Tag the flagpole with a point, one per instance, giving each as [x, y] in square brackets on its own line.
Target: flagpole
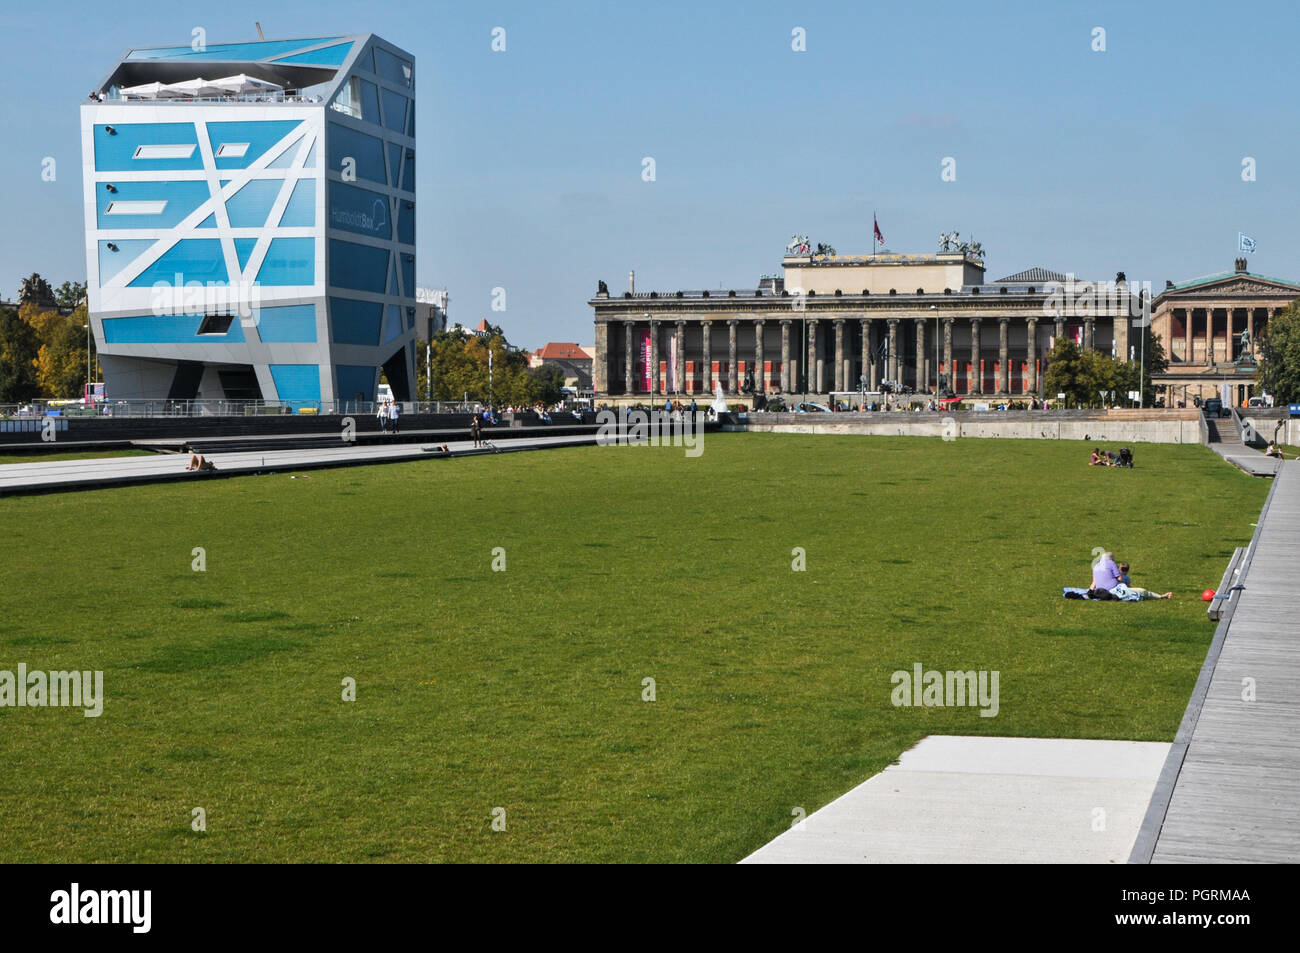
[873, 233]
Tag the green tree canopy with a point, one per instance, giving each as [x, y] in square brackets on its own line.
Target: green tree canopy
[1279, 356]
[18, 350]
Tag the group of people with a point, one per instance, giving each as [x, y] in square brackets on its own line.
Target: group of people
[1108, 458]
[388, 413]
[1110, 582]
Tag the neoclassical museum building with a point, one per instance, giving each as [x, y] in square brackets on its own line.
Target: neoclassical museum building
[1210, 327]
[832, 323]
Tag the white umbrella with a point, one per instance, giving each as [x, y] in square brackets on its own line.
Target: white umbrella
[192, 87]
[244, 83]
[144, 91]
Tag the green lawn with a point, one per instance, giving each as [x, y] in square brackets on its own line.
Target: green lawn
[523, 689]
[72, 455]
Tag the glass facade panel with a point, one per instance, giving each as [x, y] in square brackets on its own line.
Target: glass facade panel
[359, 267]
[191, 259]
[182, 198]
[395, 111]
[250, 207]
[366, 151]
[260, 137]
[296, 382]
[287, 324]
[301, 210]
[391, 68]
[289, 261]
[116, 151]
[355, 322]
[358, 210]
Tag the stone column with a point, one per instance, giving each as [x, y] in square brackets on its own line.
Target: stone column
[600, 364]
[821, 371]
[1089, 324]
[1031, 370]
[1250, 328]
[922, 378]
[679, 372]
[1209, 335]
[838, 376]
[809, 371]
[654, 356]
[1227, 337]
[1004, 378]
[1060, 327]
[893, 351]
[947, 353]
[976, 385]
[865, 326]
[1187, 335]
[733, 385]
[629, 342]
[760, 378]
[785, 356]
[707, 345]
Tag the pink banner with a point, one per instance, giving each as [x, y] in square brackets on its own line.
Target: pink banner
[645, 360]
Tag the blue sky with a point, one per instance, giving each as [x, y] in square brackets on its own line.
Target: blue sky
[530, 160]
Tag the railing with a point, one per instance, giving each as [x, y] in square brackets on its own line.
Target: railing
[189, 100]
[223, 408]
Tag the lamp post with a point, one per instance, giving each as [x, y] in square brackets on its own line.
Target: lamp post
[935, 309]
[89, 381]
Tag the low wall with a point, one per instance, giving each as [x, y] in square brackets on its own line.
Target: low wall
[1120, 426]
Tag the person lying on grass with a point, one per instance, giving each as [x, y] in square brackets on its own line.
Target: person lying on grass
[199, 462]
[1110, 582]
[1128, 587]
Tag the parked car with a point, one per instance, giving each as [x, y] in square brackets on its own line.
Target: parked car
[1213, 407]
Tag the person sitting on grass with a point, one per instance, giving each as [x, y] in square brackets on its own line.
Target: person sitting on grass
[1125, 591]
[1273, 451]
[1097, 459]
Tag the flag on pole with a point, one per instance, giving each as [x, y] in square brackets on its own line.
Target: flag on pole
[875, 226]
[1245, 243]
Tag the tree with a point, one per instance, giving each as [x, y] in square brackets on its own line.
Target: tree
[61, 361]
[36, 290]
[1279, 356]
[18, 350]
[1064, 370]
[548, 380]
[460, 369]
[69, 294]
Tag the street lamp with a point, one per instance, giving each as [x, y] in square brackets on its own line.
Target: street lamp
[935, 309]
[86, 392]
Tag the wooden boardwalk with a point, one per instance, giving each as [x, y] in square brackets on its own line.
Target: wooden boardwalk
[1230, 790]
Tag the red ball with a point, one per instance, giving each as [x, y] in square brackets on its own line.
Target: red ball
[1207, 595]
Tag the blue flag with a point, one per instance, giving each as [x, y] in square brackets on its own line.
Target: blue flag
[1245, 243]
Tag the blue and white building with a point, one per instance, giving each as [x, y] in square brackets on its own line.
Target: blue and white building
[250, 221]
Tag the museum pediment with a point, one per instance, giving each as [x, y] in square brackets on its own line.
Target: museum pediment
[1245, 286]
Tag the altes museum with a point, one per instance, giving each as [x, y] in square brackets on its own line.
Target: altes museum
[925, 323]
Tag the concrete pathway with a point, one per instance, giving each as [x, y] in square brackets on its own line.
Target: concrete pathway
[119, 471]
[985, 800]
[1230, 792]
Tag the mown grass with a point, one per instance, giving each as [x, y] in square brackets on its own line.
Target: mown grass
[71, 455]
[523, 689]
